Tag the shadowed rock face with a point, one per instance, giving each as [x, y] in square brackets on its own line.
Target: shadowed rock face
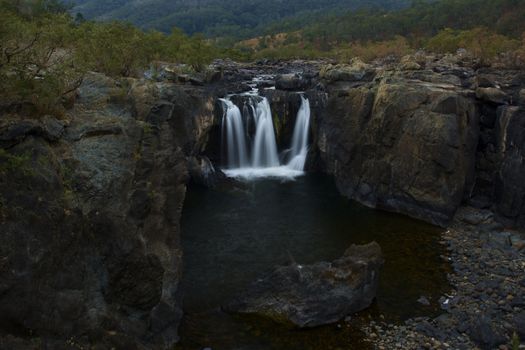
[509, 188]
[317, 294]
[90, 214]
[402, 145]
[422, 141]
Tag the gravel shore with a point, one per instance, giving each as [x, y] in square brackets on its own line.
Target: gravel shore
[486, 307]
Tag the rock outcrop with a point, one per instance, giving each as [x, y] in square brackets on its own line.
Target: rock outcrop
[423, 140]
[90, 209]
[402, 144]
[509, 187]
[316, 294]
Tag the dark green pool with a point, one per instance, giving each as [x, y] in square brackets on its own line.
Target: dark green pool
[234, 234]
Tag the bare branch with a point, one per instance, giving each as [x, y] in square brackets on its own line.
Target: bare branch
[18, 50]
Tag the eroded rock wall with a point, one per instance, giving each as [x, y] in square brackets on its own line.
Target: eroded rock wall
[424, 136]
[90, 211]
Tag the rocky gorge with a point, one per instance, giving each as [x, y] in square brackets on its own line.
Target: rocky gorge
[91, 201]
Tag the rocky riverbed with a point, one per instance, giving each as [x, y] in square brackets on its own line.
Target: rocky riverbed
[486, 307]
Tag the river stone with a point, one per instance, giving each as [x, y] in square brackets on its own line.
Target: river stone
[492, 94]
[317, 294]
[355, 71]
[291, 82]
[484, 334]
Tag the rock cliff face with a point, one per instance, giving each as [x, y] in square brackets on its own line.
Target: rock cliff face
[508, 186]
[423, 138]
[90, 203]
[90, 214]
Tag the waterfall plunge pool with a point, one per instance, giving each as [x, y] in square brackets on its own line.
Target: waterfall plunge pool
[232, 235]
[282, 171]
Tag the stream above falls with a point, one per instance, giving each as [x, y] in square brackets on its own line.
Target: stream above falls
[233, 234]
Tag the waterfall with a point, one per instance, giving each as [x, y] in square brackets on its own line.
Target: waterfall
[263, 161]
[233, 133]
[299, 149]
[264, 146]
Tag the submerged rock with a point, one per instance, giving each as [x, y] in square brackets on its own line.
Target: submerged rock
[316, 294]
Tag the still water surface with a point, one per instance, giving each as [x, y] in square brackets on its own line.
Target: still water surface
[232, 235]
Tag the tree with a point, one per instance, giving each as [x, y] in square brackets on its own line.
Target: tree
[36, 60]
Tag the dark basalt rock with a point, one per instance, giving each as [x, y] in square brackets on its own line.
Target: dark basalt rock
[356, 71]
[509, 185]
[203, 172]
[484, 334]
[401, 145]
[90, 209]
[12, 133]
[317, 294]
[492, 95]
[292, 82]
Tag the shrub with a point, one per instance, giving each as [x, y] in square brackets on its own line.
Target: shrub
[368, 51]
[44, 53]
[480, 42]
[36, 61]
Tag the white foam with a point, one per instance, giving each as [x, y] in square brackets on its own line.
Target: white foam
[281, 172]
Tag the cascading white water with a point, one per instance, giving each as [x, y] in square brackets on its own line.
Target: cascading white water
[233, 133]
[264, 160]
[264, 146]
[299, 149]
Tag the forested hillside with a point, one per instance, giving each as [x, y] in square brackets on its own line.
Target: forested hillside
[237, 18]
[484, 27]
[422, 19]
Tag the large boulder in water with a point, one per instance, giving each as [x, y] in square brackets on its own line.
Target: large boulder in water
[317, 294]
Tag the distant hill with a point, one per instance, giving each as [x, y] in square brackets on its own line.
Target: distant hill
[485, 28]
[216, 18]
[422, 19]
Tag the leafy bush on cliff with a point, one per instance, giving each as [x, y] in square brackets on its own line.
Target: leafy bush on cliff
[368, 51]
[480, 42]
[36, 55]
[44, 52]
